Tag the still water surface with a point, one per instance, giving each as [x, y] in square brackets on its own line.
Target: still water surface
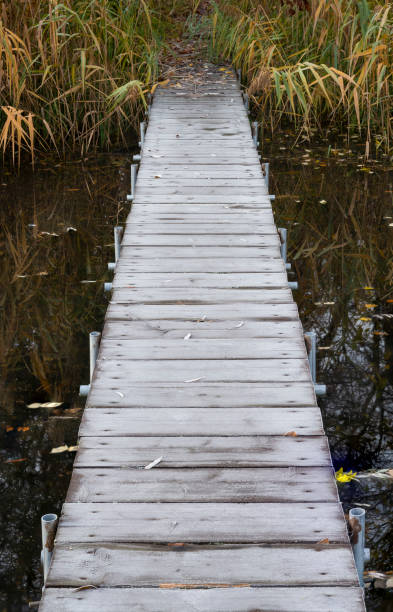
[56, 240]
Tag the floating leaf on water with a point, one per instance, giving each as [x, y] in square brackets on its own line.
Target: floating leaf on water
[16, 460]
[380, 333]
[371, 305]
[59, 449]
[35, 405]
[369, 288]
[71, 229]
[322, 201]
[52, 404]
[9, 428]
[23, 428]
[153, 463]
[342, 476]
[73, 449]
[365, 319]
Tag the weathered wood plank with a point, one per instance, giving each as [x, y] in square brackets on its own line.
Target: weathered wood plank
[193, 371]
[200, 421]
[272, 280]
[228, 312]
[200, 522]
[213, 451]
[193, 295]
[204, 328]
[295, 599]
[196, 348]
[228, 395]
[180, 227]
[138, 565]
[229, 240]
[116, 485]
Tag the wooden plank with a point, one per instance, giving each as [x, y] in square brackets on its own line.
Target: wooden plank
[209, 328]
[153, 252]
[190, 370]
[190, 229]
[213, 395]
[116, 485]
[189, 218]
[195, 264]
[298, 599]
[197, 348]
[236, 240]
[213, 451]
[200, 421]
[138, 565]
[193, 295]
[229, 312]
[262, 200]
[277, 280]
[200, 522]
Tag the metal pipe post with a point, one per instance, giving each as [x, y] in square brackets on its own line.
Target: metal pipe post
[118, 232]
[246, 102]
[254, 128]
[48, 531]
[266, 169]
[239, 74]
[142, 129]
[357, 521]
[94, 343]
[283, 237]
[134, 169]
[311, 344]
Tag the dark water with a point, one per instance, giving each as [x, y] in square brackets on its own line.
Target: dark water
[336, 208]
[46, 314]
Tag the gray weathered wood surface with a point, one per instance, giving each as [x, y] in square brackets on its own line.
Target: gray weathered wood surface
[202, 366]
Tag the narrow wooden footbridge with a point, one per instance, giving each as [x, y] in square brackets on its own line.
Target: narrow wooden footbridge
[202, 372]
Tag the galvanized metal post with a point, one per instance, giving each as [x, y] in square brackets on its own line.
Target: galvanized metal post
[311, 344]
[266, 169]
[283, 237]
[254, 128]
[48, 531]
[134, 169]
[357, 521]
[239, 74]
[94, 343]
[246, 102]
[118, 233]
[142, 129]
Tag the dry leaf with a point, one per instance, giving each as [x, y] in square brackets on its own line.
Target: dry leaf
[15, 460]
[59, 449]
[187, 337]
[84, 587]
[119, 393]
[293, 434]
[153, 463]
[191, 380]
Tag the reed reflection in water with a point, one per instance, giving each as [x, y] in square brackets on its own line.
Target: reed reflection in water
[55, 241]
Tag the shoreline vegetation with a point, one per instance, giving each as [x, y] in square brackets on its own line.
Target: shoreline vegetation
[75, 73]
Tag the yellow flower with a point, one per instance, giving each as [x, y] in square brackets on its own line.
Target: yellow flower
[342, 476]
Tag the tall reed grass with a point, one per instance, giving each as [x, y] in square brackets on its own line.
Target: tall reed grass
[73, 71]
[328, 63]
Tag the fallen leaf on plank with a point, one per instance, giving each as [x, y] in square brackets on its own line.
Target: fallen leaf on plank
[119, 393]
[292, 434]
[84, 587]
[187, 337]
[153, 463]
[191, 380]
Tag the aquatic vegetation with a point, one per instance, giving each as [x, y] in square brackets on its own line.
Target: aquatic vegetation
[73, 73]
[315, 63]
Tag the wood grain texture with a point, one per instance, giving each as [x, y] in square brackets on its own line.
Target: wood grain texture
[200, 421]
[244, 599]
[138, 565]
[204, 451]
[214, 395]
[201, 522]
[247, 485]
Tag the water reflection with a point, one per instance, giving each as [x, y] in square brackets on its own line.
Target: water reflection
[339, 210]
[56, 239]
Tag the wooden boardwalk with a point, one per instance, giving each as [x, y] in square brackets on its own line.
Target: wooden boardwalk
[202, 364]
